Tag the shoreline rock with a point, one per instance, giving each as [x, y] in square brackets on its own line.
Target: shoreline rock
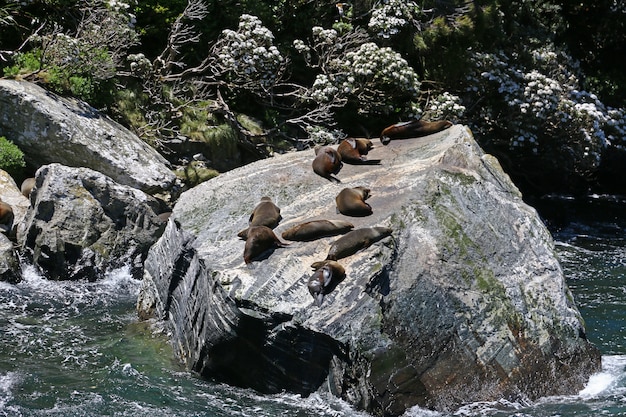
[53, 129]
[465, 302]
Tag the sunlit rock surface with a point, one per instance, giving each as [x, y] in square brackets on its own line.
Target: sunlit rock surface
[52, 129]
[465, 302]
[83, 224]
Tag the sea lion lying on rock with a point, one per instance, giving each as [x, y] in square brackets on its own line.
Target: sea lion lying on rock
[353, 151]
[412, 129]
[355, 240]
[315, 229]
[266, 213]
[6, 217]
[351, 202]
[260, 240]
[327, 163]
[324, 280]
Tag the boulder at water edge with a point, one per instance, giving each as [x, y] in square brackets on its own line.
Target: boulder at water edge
[83, 224]
[49, 129]
[465, 302]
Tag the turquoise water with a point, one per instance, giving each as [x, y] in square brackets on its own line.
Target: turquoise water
[77, 349]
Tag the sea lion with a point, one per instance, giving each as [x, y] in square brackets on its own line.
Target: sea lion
[315, 229]
[266, 213]
[324, 280]
[6, 217]
[27, 186]
[353, 151]
[351, 202]
[260, 239]
[412, 129]
[355, 240]
[327, 163]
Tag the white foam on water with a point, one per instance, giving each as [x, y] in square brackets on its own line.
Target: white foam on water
[613, 369]
[8, 382]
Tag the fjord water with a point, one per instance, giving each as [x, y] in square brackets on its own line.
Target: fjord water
[77, 348]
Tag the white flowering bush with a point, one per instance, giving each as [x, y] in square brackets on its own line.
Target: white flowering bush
[390, 16]
[538, 101]
[323, 136]
[247, 56]
[375, 80]
[445, 106]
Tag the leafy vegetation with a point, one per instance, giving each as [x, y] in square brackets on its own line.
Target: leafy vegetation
[540, 83]
[11, 157]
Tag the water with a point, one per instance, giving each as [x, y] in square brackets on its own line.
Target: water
[77, 349]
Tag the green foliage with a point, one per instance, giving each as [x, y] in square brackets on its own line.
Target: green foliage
[11, 157]
[24, 63]
[196, 173]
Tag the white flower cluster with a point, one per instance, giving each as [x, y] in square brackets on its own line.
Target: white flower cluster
[323, 136]
[446, 106]
[123, 8]
[300, 46]
[390, 16]
[118, 5]
[370, 68]
[546, 94]
[324, 36]
[139, 64]
[248, 54]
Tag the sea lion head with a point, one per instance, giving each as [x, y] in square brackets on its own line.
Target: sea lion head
[259, 240]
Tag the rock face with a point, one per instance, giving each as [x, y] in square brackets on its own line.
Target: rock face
[52, 129]
[11, 195]
[464, 302]
[82, 224]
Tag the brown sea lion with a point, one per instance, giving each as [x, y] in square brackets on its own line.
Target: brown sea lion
[325, 278]
[27, 186]
[6, 217]
[266, 213]
[412, 129]
[351, 202]
[327, 163]
[353, 151]
[355, 240]
[260, 240]
[315, 229]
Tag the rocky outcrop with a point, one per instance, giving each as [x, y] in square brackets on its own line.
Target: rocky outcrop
[9, 260]
[52, 129]
[83, 224]
[465, 302]
[11, 194]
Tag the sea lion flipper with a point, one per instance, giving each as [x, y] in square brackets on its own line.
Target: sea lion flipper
[243, 234]
[319, 299]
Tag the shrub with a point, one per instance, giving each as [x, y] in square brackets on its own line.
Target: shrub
[11, 157]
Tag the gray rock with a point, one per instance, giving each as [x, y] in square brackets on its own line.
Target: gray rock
[465, 302]
[9, 263]
[11, 194]
[83, 224]
[49, 129]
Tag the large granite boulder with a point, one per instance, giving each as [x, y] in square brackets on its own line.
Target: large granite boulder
[465, 302]
[52, 129]
[83, 224]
